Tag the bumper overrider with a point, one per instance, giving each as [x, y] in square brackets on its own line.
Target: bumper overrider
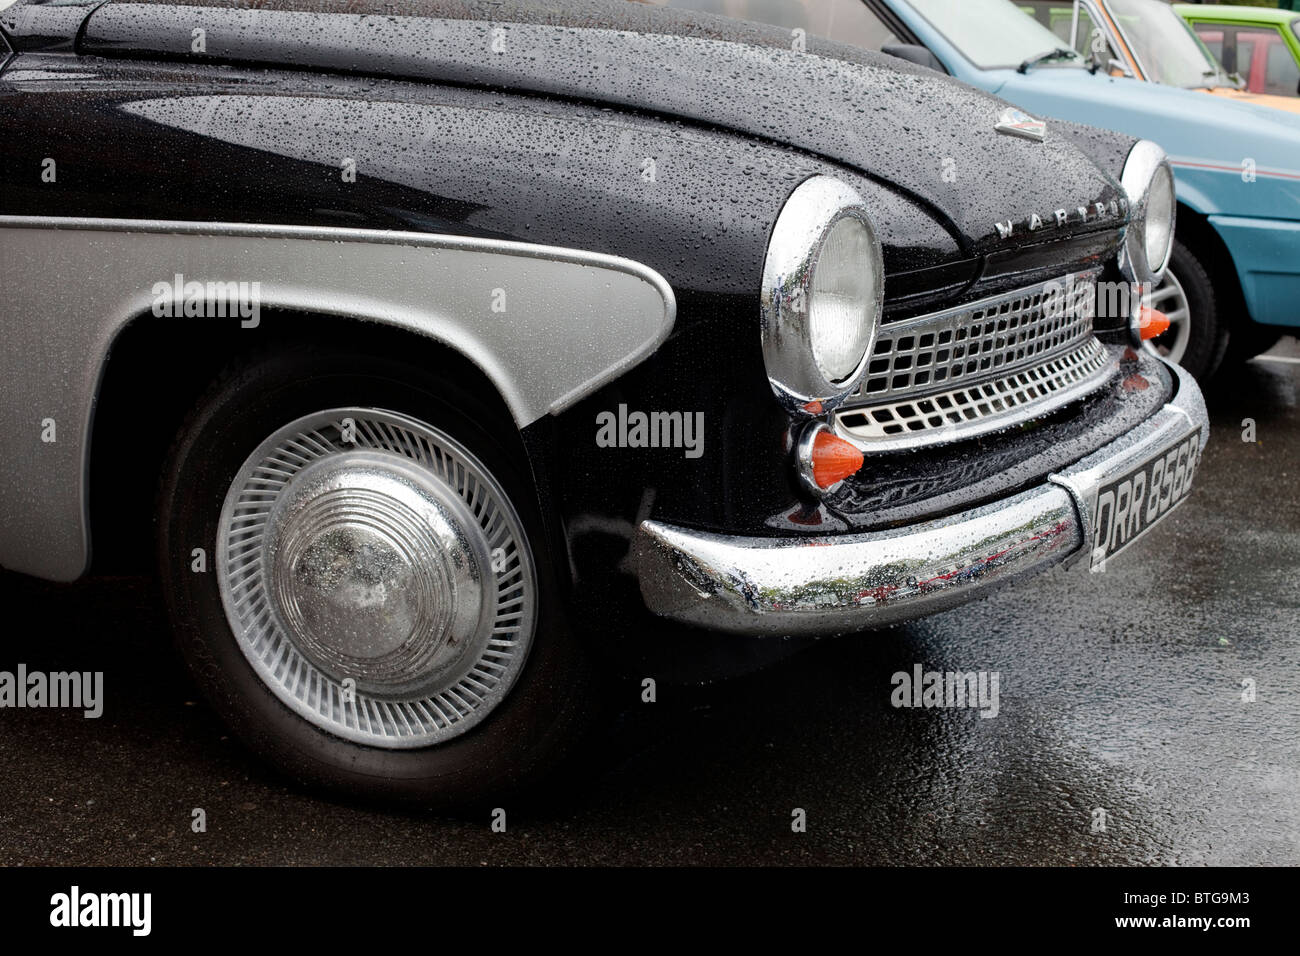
[821, 586]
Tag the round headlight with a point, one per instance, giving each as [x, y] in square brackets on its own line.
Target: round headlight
[1149, 182]
[840, 304]
[1160, 218]
[823, 290]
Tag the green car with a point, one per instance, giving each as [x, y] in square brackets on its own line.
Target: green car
[1261, 45]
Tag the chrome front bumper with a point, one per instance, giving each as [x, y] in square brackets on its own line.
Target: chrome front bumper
[833, 585]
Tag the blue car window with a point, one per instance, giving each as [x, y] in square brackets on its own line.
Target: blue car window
[993, 34]
[1090, 39]
[1059, 18]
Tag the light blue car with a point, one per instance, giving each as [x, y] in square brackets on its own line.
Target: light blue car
[1235, 270]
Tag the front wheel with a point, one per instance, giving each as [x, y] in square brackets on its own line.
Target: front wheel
[377, 616]
[1197, 335]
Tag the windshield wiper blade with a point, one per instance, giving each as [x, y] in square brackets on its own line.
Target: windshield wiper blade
[1060, 53]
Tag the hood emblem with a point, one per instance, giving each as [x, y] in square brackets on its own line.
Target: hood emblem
[1014, 122]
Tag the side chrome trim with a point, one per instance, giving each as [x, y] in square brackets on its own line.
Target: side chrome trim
[833, 585]
[573, 321]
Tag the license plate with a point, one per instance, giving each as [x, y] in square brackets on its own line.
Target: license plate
[1128, 506]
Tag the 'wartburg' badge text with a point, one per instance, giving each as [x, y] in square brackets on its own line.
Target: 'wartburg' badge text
[1115, 209]
[1016, 122]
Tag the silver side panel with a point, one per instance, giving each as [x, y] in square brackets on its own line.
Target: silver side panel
[572, 321]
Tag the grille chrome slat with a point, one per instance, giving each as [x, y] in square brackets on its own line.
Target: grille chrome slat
[993, 335]
[978, 367]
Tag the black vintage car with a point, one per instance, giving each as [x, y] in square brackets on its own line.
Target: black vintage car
[447, 351]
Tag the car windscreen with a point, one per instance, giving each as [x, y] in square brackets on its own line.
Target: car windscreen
[994, 34]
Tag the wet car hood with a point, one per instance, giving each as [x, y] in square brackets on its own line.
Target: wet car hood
[926, 135]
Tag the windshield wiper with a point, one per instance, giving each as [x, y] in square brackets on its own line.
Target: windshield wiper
[1060, 53]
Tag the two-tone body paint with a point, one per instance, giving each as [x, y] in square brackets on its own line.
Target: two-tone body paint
[551, 164]
[288, 218]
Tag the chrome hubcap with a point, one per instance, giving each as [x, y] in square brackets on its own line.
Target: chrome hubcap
[376, 577]
[1169, 298]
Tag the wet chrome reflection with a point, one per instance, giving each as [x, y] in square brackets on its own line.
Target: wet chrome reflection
[839, 584]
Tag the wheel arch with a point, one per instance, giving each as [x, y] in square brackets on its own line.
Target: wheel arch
[158, 369]
[1195, 230]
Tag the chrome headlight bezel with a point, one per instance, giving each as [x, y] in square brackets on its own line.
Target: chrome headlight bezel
[801, 229]
[1146, 170]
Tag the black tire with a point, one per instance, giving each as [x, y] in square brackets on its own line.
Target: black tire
[527, 732]
[1208, 331]
[1248, 340]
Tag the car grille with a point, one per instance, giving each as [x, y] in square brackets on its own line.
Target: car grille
[978, 367]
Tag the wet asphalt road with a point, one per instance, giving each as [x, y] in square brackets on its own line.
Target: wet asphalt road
[1120, 691]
